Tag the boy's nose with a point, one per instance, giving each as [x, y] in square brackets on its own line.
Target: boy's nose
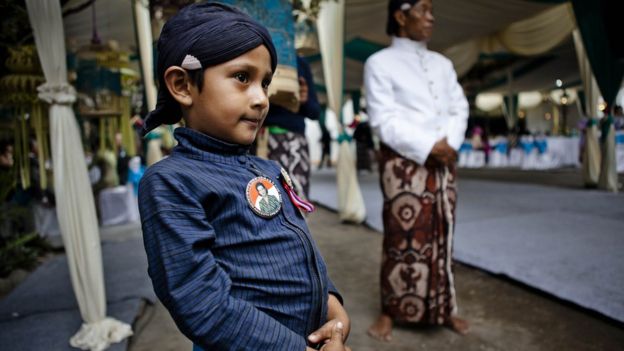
[259, 98]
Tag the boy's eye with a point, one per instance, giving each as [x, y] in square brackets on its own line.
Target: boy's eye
[242, 77]
[266, 83]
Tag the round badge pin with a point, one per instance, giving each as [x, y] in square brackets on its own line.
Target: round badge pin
[263, 197]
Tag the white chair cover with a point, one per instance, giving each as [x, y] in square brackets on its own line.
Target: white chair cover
[619, 151]
[118, 206]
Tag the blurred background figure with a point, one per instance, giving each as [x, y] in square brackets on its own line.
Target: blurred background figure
[287, 143]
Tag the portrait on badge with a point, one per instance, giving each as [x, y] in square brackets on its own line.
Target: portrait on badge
[263, 197]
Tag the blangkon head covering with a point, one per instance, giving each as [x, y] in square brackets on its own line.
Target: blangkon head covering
[199, 36]
[392, 26]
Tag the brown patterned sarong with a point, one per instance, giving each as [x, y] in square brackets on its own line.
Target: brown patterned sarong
[290, 150]
[418, 218]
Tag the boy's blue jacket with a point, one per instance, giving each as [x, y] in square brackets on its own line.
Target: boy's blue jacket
[231, 280]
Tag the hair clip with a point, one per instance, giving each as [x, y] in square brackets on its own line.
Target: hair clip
[191, 62]
[405, 6]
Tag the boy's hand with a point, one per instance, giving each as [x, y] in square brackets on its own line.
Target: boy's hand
[335, 314]
[335, 343]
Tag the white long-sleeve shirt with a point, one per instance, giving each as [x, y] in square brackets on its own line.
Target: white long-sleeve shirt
[413, 99]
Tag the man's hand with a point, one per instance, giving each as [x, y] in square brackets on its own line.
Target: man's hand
[442, 153]
[335, 314]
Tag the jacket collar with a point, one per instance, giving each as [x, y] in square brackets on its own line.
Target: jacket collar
[198, 145]
[406, 44]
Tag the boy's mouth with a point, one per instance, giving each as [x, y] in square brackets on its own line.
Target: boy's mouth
[254, 121]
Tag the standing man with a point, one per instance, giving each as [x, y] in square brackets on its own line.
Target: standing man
[419, 111]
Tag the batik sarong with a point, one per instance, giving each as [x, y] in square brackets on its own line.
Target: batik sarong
[290, 150]
[418, 217]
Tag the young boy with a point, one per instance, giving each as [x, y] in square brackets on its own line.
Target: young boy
[233, 275]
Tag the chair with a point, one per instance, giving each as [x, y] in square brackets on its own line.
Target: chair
[118, 205]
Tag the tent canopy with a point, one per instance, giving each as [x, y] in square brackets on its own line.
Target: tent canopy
[457, 22]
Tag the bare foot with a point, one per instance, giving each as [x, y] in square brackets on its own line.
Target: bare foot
[458, 325]
[381, 329]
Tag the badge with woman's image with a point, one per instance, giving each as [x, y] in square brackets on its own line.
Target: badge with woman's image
[263, 197]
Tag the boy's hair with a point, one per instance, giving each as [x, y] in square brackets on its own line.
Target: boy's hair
[199, 36]
[197, 78]
[392, 26]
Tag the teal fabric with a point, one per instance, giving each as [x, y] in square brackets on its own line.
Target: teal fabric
[607, 69]
[355, 96]
[360, 49]
[276, 16]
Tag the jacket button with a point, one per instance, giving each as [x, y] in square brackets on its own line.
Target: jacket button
[242, 159]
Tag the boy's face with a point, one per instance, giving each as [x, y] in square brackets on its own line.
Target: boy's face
[234, 99]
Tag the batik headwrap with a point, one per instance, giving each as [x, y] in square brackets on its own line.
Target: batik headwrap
[199, 36]
[392, 27]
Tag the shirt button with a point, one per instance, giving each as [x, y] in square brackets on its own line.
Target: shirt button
[430, 83]
[435, 97]
[242, 159]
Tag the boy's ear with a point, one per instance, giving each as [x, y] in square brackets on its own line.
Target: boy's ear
[179, 85]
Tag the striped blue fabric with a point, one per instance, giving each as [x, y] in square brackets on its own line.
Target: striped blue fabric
[230, 279]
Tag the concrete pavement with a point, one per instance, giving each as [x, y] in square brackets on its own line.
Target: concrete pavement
[503, 314]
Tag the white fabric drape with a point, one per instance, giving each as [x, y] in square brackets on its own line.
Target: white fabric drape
[540, 33]
[144, 34]
[330, 28]
[591, 151]
[464, 55]
[608, 179]
[74, 198]
[532, 36]
[350, 200]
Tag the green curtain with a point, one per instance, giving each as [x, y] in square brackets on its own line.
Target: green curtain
[355, 96]
[591, 18]
[607, 70]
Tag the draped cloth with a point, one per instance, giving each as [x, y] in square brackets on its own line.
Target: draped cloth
[608, 178]
[330, 26]
[591, 149]
[144, 35]
[74, 198]
[418, 218]
[540, 33]
[535, 35]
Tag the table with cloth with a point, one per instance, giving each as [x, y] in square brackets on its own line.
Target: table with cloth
[532, 153]
[619, 150]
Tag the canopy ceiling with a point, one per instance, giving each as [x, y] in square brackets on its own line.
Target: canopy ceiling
[114, 22]
[457, 21]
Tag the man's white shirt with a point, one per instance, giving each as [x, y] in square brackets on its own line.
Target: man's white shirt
[413, 99]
